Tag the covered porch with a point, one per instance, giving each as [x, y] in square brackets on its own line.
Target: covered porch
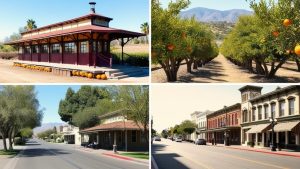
[127, 136]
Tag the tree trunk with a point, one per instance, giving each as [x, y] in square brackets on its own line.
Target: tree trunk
[274, 69]
[195, 66]
[10, 133]
[4, 141]
[259, 69]
[298, 64]
[189, 65]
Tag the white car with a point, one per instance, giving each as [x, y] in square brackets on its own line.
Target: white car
[178, 139]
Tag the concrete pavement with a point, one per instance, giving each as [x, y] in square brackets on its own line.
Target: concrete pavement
[42, 155]
[173, 155]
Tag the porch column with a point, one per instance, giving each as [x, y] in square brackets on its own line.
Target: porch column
[277, 137]
[122, 44]
[125, 140]
[49, 50]
[286, 137]
[256, 138]
[39, 52]
[62, 50]
[30, 52]
[91, 48]
[98, 137]
[297, 139]
[96, 55]
[263, 139]
[77, 48]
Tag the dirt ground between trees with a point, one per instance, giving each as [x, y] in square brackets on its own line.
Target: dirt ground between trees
[220, 70]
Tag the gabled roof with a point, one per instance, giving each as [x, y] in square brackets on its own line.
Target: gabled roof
[82, 29]
[119, 125]
[89, 16]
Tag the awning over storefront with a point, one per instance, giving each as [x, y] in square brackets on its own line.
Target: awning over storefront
[259, 128]
[287, 126]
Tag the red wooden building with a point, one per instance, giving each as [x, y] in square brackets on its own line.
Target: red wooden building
[223, 126]
[81, 41]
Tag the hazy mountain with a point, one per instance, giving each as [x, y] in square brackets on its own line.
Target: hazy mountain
[46, 126]
[212, 15]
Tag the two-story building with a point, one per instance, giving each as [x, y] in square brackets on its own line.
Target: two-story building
[223, 126]
[70, 134]
[259, 110]
[200, 119]
[116, 129]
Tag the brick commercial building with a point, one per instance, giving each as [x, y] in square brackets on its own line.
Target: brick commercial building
[259, 111]
[223, 126]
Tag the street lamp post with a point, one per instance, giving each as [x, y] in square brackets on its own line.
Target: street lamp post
[273, 122]
[226, 134]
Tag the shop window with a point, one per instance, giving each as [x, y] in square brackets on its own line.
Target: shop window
[44, 49]
[55, 48]
[259, 112]
[27, 50]
[281, 108]
[70, 47]
[84, 47]
[292, 106]
[273, 109]
[35, 49]
[20, 50]
[292, 137]
[266, 111]
[133, 136]
[259, 137]
[253, 114]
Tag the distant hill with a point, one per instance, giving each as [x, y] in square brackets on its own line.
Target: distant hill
[46, 126]
[212, 15]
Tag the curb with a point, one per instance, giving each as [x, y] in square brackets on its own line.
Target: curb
[261, 151]
[124, 158]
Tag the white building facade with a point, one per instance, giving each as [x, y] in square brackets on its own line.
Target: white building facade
[258, 111]
[200, 119]
[71, 134]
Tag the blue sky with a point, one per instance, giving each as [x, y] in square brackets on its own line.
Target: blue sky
[49, 97]
[127, 14]
[215, 4]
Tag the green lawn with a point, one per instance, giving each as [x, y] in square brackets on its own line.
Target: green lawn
[140, 155]
[9, 152]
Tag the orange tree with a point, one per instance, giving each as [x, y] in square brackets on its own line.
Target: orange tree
[175, 39]
[269, 37]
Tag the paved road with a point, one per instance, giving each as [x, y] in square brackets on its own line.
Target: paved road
[41, 155]
[221, 70]
[172, 155]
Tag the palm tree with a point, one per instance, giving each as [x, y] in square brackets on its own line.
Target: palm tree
[30, 25]
[145, 29]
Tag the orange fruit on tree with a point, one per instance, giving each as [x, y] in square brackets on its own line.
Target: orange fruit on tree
[170, 47]
[297, 50]
[275, 33]
[287, 22]
[90, 75]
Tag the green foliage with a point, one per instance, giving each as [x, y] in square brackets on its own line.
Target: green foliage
[45, 134]
[19, 108]
[187, 127]
[26, 132]
[19, 141]
[30, 25]
[133, 59]
[175, 39]
[253, 37]
[86, 96]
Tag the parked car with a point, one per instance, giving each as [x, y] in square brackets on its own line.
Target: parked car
[170, 137]
[178, 139]
[200, 142]
[157, 138]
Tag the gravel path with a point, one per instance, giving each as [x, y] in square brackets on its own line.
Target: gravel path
[10, 74]
[220, 70]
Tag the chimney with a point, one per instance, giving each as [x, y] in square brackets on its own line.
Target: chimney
[93, 10]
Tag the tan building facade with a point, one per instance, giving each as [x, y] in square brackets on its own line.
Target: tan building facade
[258, 111]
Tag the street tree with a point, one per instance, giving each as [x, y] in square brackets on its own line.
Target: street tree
[19, 108]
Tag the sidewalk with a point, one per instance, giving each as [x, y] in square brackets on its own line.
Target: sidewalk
[110, 153]
[267, 150]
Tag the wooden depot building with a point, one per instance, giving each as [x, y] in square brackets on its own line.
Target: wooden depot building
[81, 41]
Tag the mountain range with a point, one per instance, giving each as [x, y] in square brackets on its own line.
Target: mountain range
[46, 126]
[213, 15]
